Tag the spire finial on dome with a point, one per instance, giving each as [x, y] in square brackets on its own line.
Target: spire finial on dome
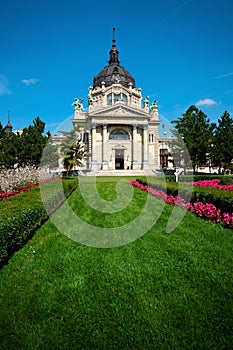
[8, 127]
[114, 72]
[114, 52]
[113, 37]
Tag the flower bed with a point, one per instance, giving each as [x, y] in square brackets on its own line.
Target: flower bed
[212, 183]
[5, 195]
[15, 181]
[206, 210]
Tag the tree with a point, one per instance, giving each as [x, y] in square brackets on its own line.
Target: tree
[2, 134]
[33, 142]
[50, 157]
[72, 149]
[180, 153]
[195, 130]
[222, 148]
[8, 148]
[27, 148]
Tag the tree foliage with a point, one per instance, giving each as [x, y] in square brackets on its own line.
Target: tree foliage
[50, 156]
[222, 147]
[195, 130]
[72, 150]
[33, 143]
[180, 153]
[23, 149]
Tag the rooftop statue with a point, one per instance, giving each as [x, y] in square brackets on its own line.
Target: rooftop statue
[154, 105]
[146, 102]
[78, 103]
[90, 98]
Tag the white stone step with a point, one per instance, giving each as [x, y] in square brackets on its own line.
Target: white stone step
[122, 173]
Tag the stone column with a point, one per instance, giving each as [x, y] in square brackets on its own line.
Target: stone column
[104, 148]
[135, 164]
[93, 148]
[145, 147]
[156, 149]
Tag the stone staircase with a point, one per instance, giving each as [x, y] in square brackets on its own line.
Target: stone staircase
[123, 173]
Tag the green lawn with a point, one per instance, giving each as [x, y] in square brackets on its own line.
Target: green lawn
[162, 291]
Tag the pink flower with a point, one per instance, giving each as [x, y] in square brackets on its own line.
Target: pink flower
[205, 210]
[212, 183]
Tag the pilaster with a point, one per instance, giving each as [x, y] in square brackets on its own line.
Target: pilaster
[145, 147]
[104, 148]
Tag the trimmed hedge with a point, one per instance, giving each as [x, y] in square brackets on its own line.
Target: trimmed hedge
[189, 178]
[169, 187]
[22, 214]
[222, 199]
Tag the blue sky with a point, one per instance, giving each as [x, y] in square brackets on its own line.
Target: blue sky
[179, 51]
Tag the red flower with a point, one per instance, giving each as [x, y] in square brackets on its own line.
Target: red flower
[205, 210]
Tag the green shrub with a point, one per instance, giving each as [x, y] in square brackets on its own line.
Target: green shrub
[22, 214]
[173, 188]
[190, 178]
[222, 199]
[226, 180]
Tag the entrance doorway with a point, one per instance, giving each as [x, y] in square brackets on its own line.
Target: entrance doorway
[119, 159]
[163, 158]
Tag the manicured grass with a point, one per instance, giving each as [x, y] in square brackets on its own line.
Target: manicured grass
[163, 291]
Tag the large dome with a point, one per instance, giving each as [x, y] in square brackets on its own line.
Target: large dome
[114, 72]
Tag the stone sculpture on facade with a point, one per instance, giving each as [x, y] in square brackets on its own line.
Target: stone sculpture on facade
[146, 101]
[90, 98]
[78, 103]
[154, 105]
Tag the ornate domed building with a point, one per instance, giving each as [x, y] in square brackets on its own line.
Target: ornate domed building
[119, 130]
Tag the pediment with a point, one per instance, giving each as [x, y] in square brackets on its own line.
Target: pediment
[119, 111]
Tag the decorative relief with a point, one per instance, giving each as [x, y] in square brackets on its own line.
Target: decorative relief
[117, 111]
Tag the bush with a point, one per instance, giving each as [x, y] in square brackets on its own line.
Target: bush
[222, 199]
[22, 214]
[189, 178]
[226, 180]
[169, 187]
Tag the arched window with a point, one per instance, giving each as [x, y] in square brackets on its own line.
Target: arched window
[125, 98]
[113, 98]
[119, 134]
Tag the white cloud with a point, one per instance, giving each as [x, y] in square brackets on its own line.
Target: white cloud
[224, 75]
[4, 90]
[31, 81]
[206, 102]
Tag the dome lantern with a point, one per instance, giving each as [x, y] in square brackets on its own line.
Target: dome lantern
[114, 72]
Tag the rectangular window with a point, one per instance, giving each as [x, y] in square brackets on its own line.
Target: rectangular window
[85, 137]
[109, 99]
